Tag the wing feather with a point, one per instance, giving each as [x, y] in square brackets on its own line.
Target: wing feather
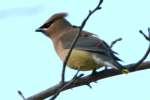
[88, 42]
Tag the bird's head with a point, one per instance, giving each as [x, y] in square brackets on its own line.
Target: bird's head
[54, 25]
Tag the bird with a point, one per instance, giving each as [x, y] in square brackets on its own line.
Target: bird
[89, 53]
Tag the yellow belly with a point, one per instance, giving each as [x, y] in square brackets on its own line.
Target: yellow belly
[82, 60]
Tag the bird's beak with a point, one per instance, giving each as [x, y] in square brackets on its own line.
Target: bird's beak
[39, 30]
[43, 30]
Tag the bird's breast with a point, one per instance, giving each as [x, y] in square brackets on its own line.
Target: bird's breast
[82, 60]
[79, 59]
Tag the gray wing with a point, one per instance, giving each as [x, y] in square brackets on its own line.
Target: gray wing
[88, 42]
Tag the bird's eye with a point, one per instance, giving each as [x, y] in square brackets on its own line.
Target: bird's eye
[45, 25]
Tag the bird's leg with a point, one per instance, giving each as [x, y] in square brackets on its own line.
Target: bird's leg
[106, 68]
[94, 72]
[76, 75]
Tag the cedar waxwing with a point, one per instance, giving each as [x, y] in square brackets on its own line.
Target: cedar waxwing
[89, 53]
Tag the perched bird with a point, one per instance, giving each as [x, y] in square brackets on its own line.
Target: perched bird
[89, 53]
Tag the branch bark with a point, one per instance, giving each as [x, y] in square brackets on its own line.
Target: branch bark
[86, 80]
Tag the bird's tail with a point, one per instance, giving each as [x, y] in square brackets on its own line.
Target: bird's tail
[119, 67]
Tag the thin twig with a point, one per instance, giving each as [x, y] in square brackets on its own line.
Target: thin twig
[66, 85]
[143, 58]
[149, 33]
[147, 52]
[114, 42]
[145, 36]
[76, 38]
[21, 94]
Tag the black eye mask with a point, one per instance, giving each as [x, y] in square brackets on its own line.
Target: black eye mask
[46, 25]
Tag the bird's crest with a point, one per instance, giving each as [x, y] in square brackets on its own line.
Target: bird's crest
[53, 18]
[58, 16]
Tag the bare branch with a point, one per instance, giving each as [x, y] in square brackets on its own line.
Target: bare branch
[147, 52]
[146, 37]
[86, 80]
[114, 42]
[77, 36]
[69, 83]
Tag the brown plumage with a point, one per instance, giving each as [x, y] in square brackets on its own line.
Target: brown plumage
[89, 53]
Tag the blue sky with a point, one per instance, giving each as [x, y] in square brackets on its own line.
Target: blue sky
[30, 64]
